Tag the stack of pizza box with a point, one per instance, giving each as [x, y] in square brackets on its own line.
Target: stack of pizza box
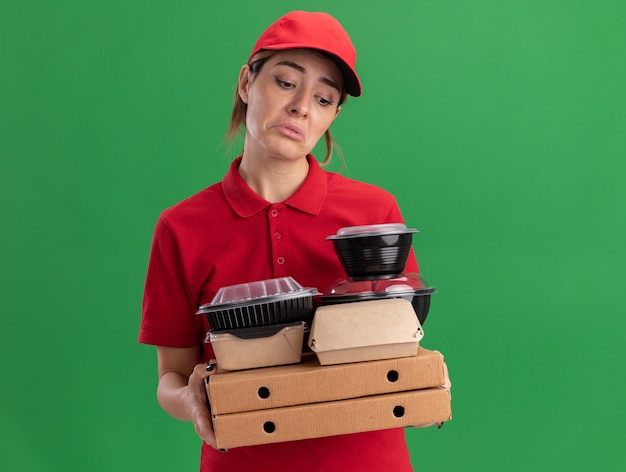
[365, 371]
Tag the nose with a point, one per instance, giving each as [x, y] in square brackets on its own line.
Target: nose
[300, 105]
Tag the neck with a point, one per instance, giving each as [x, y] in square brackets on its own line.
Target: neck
[273, 180]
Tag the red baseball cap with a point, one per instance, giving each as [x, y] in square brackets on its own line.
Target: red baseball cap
[314, 30]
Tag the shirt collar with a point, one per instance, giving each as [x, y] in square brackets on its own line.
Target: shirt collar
[309, 197]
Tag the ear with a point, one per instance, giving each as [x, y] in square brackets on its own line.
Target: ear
[337, 112]
[243, 85]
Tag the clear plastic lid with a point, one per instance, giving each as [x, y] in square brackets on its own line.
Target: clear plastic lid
[258, 291]
[402, 284]
[372, 230]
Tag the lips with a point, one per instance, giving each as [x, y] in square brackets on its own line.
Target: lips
[290, 130]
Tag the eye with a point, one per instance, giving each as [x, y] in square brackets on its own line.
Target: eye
[284, 84]
[324, 102]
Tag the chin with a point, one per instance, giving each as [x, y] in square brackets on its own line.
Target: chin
[287, 153]
[291, 158]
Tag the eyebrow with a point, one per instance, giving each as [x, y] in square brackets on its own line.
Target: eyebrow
[299, 68]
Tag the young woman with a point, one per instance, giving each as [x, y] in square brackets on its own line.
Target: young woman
[268, 218]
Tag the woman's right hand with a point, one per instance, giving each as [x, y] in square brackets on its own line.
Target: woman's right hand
[182, 388]
[194, 398]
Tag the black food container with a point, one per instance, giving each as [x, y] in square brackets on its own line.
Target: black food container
[373, 251]
[410, 286]
[260, 303]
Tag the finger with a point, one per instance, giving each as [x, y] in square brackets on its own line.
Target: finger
[202, 371]
[204, 429]
[422, 425]
[448, 382]
[210, 368]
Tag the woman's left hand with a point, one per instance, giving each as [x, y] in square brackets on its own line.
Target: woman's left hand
[448, 386]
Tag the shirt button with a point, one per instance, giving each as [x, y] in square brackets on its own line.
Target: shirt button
[274, 213]
[278, 235]
[281, 260]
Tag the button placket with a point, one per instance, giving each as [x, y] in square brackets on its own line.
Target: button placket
[275, 215]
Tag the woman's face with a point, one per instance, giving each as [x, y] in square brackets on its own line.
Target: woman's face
[291, 102]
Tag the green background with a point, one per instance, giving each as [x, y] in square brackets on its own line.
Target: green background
[500, 126]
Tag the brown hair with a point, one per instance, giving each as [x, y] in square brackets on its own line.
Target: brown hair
[238, 114]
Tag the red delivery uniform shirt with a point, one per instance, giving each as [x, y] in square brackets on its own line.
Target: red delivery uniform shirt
[226, 235]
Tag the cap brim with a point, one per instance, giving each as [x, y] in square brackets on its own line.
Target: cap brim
[352, 83]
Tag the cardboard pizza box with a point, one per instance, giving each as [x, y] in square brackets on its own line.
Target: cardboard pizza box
[391, 410]
[310, 382]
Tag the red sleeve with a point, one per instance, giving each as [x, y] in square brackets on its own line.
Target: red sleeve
[168, 311]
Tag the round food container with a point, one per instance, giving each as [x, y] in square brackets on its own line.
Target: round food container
[373, 251]
[412, 287]
[260, 303]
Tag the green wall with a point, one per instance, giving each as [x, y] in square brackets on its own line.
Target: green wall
[500, 125]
